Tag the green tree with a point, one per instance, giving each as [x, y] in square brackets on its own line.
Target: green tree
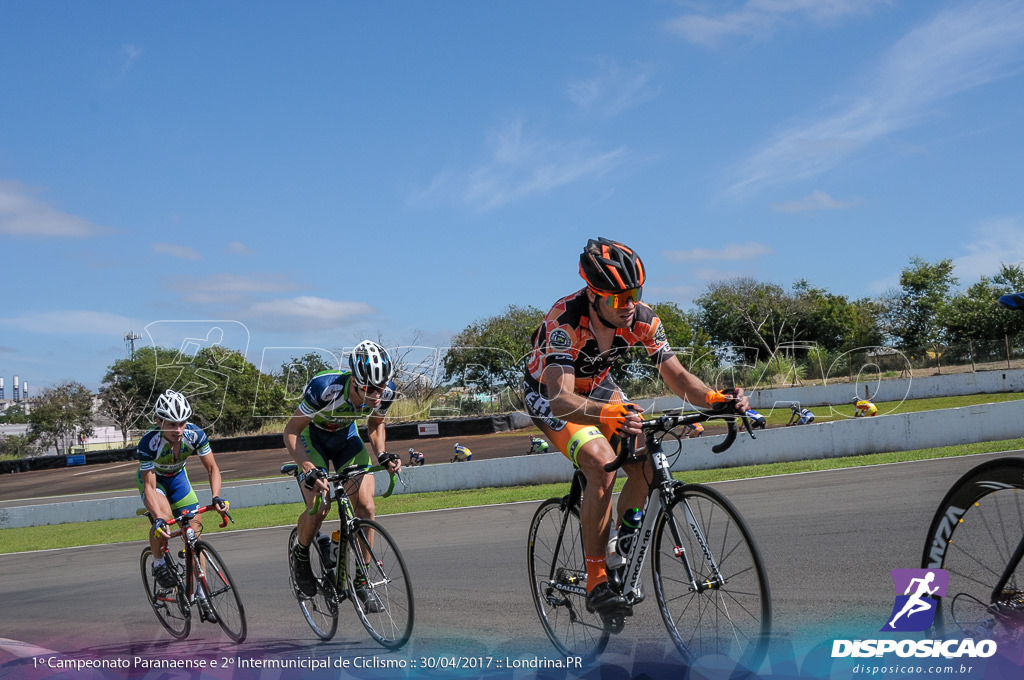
[14, 415]
[911, 315]
[490, 353]
[60, 415]
[122, 407]
[228, 395]
[16, 446]
[744, 312]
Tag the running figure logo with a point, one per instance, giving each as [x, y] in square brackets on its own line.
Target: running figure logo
[914, 609]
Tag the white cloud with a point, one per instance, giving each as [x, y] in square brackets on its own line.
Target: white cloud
[522, 166]
[71, 322]
[132, 53]
[229, 288]
[959, 49]
[21, 214]
[993, 242]
[816, 200]
[731, 251]
[176, 250]
[239, 248]
[613, 90]
[759, 18]
[311, 313]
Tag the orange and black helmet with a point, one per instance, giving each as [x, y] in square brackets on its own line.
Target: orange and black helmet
[611, 267]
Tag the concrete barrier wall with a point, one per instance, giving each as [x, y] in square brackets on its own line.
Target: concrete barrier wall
[901, 432]
[889, 390]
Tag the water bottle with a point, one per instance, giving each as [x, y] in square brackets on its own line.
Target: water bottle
[628, 531]
[335, 543]
[181, 562]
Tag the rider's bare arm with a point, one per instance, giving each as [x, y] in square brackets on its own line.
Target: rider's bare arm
[213, 470]
[375, 428]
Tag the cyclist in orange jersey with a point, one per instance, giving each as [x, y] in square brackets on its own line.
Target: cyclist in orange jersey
[572, 398]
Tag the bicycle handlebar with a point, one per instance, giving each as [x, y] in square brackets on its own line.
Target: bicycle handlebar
[344, 475]
[188, 515]
[669, 421]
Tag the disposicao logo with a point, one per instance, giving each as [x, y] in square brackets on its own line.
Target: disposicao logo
[916, 592]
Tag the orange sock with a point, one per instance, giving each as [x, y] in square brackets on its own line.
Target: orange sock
[597, 572]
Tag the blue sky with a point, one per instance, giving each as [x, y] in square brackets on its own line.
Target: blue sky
[310, 173]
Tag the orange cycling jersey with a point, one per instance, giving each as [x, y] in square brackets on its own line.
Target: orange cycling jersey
[565, 338]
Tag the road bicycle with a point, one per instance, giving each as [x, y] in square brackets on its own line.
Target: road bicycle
[359, 562]
[202, 581]
[977, 536]
[709, 578]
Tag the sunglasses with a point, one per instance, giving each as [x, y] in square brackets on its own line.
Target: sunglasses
[620, 300]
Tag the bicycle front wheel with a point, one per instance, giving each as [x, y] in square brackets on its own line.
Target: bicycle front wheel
[975, 536]
[380, 588]
[221, 592]
[721, 604]
[320, 610]
[558, 581]
[169, 604]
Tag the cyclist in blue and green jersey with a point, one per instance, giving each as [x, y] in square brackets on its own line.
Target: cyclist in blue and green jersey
[323, 431]
[162, 479]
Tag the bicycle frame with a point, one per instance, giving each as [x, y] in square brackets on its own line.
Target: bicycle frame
[348, 521]
[663, 489]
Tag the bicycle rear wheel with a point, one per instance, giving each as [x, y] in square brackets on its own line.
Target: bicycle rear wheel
[558, 580]
[221, 592]
[320, 610]
[729, 613]
[169, 604]
[974, 534]
[380, 590]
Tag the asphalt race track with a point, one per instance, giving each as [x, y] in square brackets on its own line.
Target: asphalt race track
[829, 540]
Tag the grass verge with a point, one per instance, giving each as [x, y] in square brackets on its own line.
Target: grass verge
[136, 529]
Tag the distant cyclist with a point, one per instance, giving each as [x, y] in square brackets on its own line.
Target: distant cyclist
[538, 445]
[162, 480]
[694, 430]
[462, 453]
[416, 458]
[864, 408]
[800, 416]
[322, 431]
[757, 421]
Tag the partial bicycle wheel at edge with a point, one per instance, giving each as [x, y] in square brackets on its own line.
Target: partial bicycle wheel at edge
[320, 610]
[558, 582]
[222, 593]
[728, 616]
[975, 531]
[168, 603]
[380, 589]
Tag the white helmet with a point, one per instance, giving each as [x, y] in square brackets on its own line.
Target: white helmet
[370, 364]
[173, 407]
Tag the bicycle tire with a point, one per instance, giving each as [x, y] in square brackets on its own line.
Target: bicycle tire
[972, 535]
[732, 619]
[556, 548]
[221, 592]
[387, 580]
[170, 605]
[320, 610]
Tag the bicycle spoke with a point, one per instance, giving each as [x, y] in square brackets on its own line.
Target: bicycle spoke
[988, 507]
[169, 604]
[558, 582]
[320, 610]
[730, 613]
[221, 593]
[380, 589]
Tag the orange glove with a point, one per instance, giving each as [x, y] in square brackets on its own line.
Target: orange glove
[616, 414]
[720, 400]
